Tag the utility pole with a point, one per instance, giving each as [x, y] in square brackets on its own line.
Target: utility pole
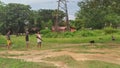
[62, 5]
[57, 17]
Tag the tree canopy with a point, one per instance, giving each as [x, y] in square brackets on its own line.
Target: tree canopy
[19, 17]
[97, 14]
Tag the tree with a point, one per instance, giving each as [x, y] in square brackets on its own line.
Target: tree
[16, 14]
[2, 17]
[45, 17]
[18, 17]
[95, 13]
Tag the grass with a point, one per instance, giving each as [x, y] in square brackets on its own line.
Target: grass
[71, 63]
[77, 40]
[98, 64]
[66, 59]
[14, 63]
[2, 39]
[87, 52]
[85, 48]
[57, 43]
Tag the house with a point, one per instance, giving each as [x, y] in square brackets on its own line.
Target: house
[72, 29]
[63, 29]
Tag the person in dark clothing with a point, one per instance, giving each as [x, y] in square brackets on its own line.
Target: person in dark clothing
[27, 39]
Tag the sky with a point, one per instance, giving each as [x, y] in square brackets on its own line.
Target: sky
[48, 4]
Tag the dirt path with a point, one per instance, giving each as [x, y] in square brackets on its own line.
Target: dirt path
[37, 56]
[33, 56]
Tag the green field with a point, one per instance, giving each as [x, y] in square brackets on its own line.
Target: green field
[19, 42]
[68, 52]
[85, 34]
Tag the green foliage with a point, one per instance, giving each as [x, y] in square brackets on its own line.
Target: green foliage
[2, 40]
[46, 17]
[68, 34]
[112, 20]
[79, 24]
[48, 34]
[96, 13]
[45, 31]
[83, 33]
[110, 30]
[87, 33]
[49, 24]
[14, 16]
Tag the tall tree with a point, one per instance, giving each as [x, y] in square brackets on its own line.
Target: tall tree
[96, 13]
[44, 17]
[16, 15]
[2, 17]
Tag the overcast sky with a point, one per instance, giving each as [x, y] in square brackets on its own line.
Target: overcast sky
[47, 4]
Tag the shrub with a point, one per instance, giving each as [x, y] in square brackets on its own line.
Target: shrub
[68, 34]
[45, 31]
[2, 39]
[87, 33]
[110, 30]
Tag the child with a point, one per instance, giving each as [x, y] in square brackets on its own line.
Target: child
[8, 39]
[39, 39]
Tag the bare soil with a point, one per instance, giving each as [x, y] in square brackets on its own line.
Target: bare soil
[111, 56]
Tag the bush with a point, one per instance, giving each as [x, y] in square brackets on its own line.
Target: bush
[83, 33]
[87, 33]
[45, 31]
[68, 34]
[58, 35]
[110, 30]
[50, 35]
[2, 39]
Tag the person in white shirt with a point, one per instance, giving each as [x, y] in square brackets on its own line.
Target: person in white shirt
[39, 39]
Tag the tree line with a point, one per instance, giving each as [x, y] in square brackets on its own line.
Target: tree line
[20, 17]
[97, 14]
[94, 14]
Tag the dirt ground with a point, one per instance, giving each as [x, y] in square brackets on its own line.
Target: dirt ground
[111, 56]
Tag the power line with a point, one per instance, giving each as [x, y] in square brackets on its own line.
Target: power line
[62, 5]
